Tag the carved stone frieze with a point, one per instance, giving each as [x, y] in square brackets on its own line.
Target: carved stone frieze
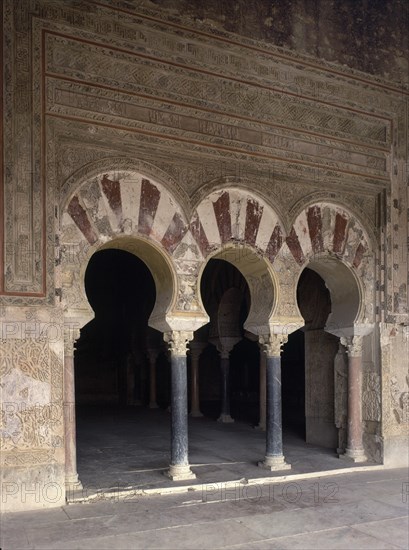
[318, 124]
[96, 105]
[27, 458]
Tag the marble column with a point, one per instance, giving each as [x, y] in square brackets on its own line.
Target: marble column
[263, 391]
[71, 476]
[274, 459]
[152, 356]
[196, 349]
[179, 468]
[341, 397]
[225, 416]
[354, 450]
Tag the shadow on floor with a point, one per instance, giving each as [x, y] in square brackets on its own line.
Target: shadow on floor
[130, 448]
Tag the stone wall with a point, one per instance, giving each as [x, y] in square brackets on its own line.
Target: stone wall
[368, 36]
[394, 344]
[32, 418]
[197, 109]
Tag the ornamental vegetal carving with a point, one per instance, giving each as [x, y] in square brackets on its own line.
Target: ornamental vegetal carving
[187, 299]
[31, 376]
[272, 344]
[371, 396]
[400, 400]
[178, 341]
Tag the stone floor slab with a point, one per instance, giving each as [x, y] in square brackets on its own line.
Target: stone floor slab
[131, 448]
[337, 539]
[211, 535]
[395, 531]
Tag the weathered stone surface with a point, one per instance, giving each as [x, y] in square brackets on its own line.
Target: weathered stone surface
[274, 138]
[349, 33]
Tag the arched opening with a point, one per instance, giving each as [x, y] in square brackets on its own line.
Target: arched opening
[308, 364]
[226, 297]
[112, 348]
[328, 298]
[112, 368]
[344, 291]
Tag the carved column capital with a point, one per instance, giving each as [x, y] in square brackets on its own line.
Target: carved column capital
[224, 353]
[353, 345]
[196, 348]
[178, 341]
[71, 335]
[272, 344]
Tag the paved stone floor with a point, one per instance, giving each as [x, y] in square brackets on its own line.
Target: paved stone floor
[231, 504]
[364, 509]
[130, 448]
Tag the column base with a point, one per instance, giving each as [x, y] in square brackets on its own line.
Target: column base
[195, 414]
[274, 463]
[353, 455]
[225, 419]
[153, 406]
[179, 473]
[72, 483]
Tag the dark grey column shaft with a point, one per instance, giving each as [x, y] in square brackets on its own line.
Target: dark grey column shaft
[179, 428]
[274, 459]
[224, 367]
[274, 432]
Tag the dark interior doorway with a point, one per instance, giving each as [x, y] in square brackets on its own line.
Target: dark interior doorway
[219, 278]
[110, 360]
[308, 367]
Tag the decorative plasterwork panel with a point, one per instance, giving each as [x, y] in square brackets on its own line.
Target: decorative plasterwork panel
[137, 79]
[32, 401]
